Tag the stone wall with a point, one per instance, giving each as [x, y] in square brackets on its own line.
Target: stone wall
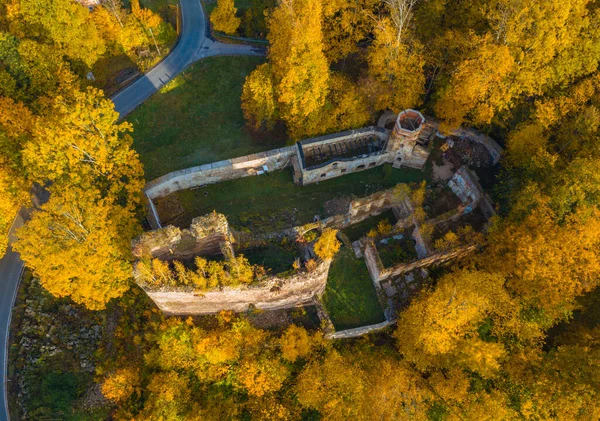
[341, 166]
[359, 331]
[206, 236]
[271, 294]
[379, 273]
[494, 149]
[216, 172]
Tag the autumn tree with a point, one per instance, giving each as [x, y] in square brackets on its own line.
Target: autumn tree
[84, 146]
[327, 245]
[121, 384]
[293, 85]
[223, 18]
[547, 264]
[331, 386]
[395, 79]
[67, 24]
[439, 328]
[259, 101]
[77, 244]
[16, 124]
[478, 88]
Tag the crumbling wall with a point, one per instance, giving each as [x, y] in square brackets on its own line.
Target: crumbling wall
[339, 168]
[271, 294]
[379, 274]
[216, 172]
[359, 331]
[494, 149]
[464, 184]
[206, 236]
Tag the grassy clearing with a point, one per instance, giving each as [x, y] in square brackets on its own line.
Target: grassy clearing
[196, 118]
[357, 231]
[273, 202]
[350, 297]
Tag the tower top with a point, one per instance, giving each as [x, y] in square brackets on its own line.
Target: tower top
[409, 122]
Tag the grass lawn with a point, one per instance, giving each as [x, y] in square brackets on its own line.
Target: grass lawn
[350, 297]
[196, 118]
[273, 202]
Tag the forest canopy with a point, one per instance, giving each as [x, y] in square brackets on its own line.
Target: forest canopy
[511, 332]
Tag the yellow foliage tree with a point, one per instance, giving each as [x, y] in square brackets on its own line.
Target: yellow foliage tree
[548, 264]
[80, 144]
[327, 245]
[298, 65]
[395, 79]
[223, 18]
[67, 23]
[479, 87]
[258, 98]
[78, 245]
[436, 326]
[121, 384]
[261, 376]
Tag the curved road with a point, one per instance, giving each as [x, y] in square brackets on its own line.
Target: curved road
[193, 45]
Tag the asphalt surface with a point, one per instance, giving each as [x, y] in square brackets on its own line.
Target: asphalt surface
[11, 268]
[194, 44]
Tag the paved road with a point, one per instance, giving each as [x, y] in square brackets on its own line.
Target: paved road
[193, 45]
[11, 267]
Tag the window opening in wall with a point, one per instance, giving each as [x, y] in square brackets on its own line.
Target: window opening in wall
[360, 167]
[372, 164]
[323, 175]
[343, 170]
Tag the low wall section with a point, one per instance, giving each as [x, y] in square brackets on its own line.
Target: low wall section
[229, 169]
[272, 294]
[359, 331]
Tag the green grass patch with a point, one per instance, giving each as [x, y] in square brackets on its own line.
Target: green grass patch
[396, 251]
[196, 119]
[350, 297]
[357, 231]
[274, 258]
[273, 202]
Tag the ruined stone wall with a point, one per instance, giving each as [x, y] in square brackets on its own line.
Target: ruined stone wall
[359, 331]
[465, 185]
[272, 294]
[494, 149]
[206, 236]
[379, 273]
[339, 168]
[342, 166]
[216, 172]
